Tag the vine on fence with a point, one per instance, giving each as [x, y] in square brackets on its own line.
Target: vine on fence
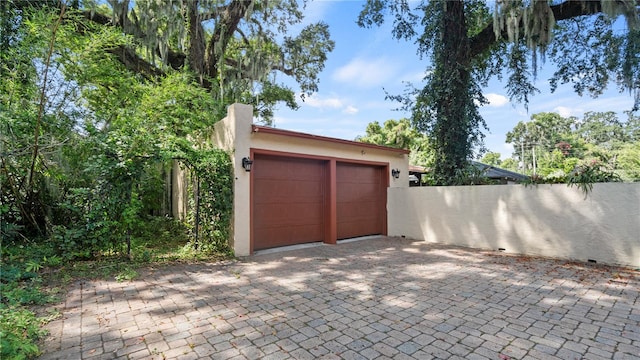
[210, 194]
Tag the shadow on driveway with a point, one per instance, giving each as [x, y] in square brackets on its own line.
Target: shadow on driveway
[376, 298]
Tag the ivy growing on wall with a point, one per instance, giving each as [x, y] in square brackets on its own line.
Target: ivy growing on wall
[210, 193]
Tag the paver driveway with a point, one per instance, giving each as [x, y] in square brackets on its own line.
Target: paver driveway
[374, 298]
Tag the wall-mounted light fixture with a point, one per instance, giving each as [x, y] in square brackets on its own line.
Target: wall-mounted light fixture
[247, 163]
[395, 173]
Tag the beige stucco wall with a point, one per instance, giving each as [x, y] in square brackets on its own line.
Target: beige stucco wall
[234, 134]
[274, 142]
[548, 220]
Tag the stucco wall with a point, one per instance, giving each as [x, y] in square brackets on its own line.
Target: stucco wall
[548, 220]
[232, 134]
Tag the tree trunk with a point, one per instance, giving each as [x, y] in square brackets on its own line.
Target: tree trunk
[196, 41]
[453, 78]
[223, 33]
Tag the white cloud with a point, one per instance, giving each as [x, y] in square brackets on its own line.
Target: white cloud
[350, 110]
[330, 103]
[317, 102]
[565, 111]
[496, 100]
[416, 77]
[366, 73]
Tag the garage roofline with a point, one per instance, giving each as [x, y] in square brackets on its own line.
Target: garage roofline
[289, 133]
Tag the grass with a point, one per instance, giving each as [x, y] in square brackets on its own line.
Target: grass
[33, 278]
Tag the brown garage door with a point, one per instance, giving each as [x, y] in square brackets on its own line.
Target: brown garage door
[361, 195]
[288, 201]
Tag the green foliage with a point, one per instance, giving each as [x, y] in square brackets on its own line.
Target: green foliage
[585, 175]
[560, 147]
[161, 240]
[455, 129]
[628, 161]
[105, 144]
[235, 49]
[402, 135]
[24, 293]
[21, 287]
[126, 275]
[509, 164]
[470, 43]
[491, 158]
[211, 200]
[19, 329]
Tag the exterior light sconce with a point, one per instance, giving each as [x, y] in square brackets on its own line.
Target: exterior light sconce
[247, 163]
[395, 173]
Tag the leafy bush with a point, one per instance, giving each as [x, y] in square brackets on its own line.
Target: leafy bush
[214, 172]
[19, 328]
[585, 175]
[20, 286]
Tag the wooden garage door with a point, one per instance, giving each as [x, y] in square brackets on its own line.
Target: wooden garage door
[361, 199]
[288, 201]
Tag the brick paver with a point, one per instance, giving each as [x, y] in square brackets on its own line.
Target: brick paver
[373, 298]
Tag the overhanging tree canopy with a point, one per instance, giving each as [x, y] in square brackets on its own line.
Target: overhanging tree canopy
[469, 43]
[237, 48]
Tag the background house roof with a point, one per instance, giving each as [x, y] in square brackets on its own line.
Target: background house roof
[489, 171]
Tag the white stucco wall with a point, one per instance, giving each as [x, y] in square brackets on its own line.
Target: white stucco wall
[547, 220]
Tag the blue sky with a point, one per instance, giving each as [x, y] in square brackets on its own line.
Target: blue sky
[366, 62]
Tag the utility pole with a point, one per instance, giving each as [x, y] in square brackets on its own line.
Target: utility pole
[522, 154]
[533, 150]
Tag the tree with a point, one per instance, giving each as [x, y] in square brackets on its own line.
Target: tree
[469, 44]
[235, 48]
[554, 147]
[545, 133]
[629, 161]
[84, 140]
[632, 127]
[510, 164]
[602, 129]
[491, 158]
[400, 134]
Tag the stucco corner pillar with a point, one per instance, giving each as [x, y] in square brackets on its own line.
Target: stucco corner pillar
[241, 117]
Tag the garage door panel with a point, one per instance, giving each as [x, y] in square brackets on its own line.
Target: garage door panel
[273, 189]
[357, 174]
[288, 201]
[355, 228]
[287, 214]
[360, 210]
[287, 169]
[360, 192]
[357, 192]
[288, 235]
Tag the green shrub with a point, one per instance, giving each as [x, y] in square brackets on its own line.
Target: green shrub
[19, 329]
[585, 175]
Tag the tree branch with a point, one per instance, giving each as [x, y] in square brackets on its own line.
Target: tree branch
[563, 11]
[133, 62]
[43, 96]
[205, 16]
[128, 57]
[223, 33]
